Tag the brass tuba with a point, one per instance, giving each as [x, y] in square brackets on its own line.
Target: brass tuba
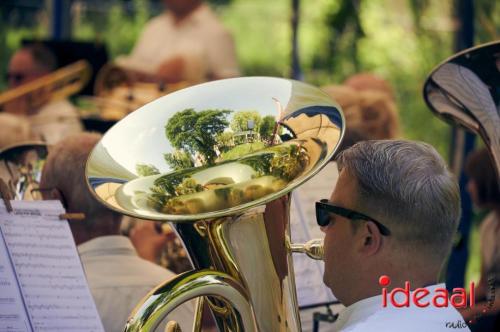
[217, 160]
[465, 90]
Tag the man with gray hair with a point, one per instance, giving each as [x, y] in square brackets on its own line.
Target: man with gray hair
[389, 227]
[117, 276]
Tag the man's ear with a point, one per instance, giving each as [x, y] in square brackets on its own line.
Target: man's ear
[370, 239]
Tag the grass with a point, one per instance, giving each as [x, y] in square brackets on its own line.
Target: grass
[242, 149]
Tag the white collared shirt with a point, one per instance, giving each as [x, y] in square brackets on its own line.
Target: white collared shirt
[200, 39]
[369, 315]
[119, 279]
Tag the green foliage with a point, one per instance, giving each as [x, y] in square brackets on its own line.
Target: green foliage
[167, 184]
[117, 29]
[225, 141]
[188, 186]
[146, 169]
[242, 150]
[345, 30]
[261, 31]
[196, 132]
[267, 128]
[178, 160]
[260, 163]
[289, 162]
[240, 121]
[487, 16]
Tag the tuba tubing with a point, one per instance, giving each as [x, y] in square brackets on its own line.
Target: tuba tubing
[189, 285]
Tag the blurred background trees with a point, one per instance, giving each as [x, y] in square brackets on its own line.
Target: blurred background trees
[401, 40]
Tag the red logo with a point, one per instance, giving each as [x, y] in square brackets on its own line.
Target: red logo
[440, 297]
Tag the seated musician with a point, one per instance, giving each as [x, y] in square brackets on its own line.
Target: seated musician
[50, 120]
[393, 213]
[117, 276]
[186, 43]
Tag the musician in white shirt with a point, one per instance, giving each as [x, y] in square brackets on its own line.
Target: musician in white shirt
[186, 43]
[393, 213]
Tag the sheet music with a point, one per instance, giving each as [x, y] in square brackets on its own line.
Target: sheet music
[47, 267]
[12, 314]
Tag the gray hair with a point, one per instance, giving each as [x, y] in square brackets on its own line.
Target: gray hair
[65, 170]
[406, 186]
[42, 56]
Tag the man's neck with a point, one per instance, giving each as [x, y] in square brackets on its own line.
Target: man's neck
[180, 17]
[371, 287]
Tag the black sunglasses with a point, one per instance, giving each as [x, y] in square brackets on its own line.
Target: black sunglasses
[324, 208]
[16, 77]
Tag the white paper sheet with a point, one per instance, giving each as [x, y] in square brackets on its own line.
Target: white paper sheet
[47, 268]
[12, 313]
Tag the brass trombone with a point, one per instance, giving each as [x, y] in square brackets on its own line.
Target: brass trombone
[57, 85]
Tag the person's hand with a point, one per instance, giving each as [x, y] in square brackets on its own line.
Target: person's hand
[147, 240]
[172, 70]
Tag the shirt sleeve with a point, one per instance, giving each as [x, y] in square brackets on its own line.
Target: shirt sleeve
[222, 56]
[139, 58]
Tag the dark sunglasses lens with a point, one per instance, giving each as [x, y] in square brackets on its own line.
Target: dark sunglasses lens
[14, 77]
[322, 215]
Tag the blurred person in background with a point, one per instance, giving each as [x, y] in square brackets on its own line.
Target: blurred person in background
[371, 112]
[186, 43]
[117, 276]
[484, 191]
[51, 121]
[370, 82]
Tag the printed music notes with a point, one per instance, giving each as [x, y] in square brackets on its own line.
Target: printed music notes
[42, 283]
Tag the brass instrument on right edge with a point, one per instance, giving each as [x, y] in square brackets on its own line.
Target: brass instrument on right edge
[465, 90]
[218, 161]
